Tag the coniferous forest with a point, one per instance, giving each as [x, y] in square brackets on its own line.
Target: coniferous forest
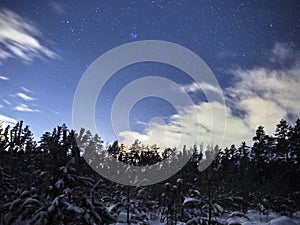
[49, 182]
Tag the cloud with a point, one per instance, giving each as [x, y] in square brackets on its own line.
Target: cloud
[7, 120]
[57, 7]
[281, 50]
[139, 122]
[196, 125]
[262, 112]
[25, 108]
[1, 106]
[196, 87]
[225, 53]
[279, 89]
[25, 97]
[19, 38]
[260, 96]
[3, 77]
[27, 90]
[4, 55]
[55, 112]
[283, 53]
[6, 102]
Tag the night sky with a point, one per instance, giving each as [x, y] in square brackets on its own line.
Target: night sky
[252, 47]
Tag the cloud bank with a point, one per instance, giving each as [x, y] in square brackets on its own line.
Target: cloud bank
[260, 96]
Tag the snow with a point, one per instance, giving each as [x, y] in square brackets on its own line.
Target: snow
[283, 220]
[254, 217]
[238, 214]
[59, 183]
[75, 209]
[179, 181]
[296, 214]
[30, 201]
[123, 217]
[218, 208]
[196, 192]
[188, 200]
[67, 191]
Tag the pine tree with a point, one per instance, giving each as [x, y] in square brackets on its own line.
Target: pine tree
[114, 149]
[20, 137]
[260, 146]
[295, 142]
[259, 155]
[282, 138]
[4, 137]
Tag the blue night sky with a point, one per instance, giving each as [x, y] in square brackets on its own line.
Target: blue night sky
[252, 47]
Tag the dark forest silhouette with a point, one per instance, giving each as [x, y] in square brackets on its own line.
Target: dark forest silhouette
[50, 182]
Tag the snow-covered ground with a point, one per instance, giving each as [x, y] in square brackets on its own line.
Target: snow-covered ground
[272, 218]
[233, 218]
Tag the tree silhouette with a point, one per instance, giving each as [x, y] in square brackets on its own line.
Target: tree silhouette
[52, 182]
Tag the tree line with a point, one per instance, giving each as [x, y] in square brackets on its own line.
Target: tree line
[50, 180]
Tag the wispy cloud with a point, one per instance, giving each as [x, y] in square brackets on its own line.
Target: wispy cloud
[3, 77]
[225, 53]
[25, 108]
[55, 112]
[7, 120]
[27, 90]
[57, 7]
[281, 50]
[6, 101]
[263, 96]
[25, 97]
[20, 38]
[139, 122]
[1, 106]
[282, 53]
[4, 55]
[196, 87]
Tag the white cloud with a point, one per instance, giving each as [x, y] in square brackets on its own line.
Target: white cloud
[196, 87]
[279, 89]
[1, 106]
[263, 96]
[25, 108]
[20, 38]
[27, 90]
[262, 112]
[25, 97]
[7, 120]
[3, 77]
[142, 123]
[197, 124]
